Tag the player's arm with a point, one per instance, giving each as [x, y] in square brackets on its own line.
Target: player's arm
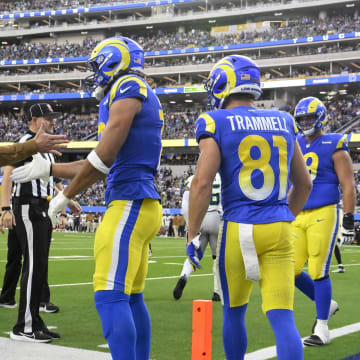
[121, 115]
[67, 170]
[201, 186]
[301, 182]
[345, 173]
[8, 218]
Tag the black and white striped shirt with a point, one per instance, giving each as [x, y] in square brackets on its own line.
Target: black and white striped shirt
[35, 188]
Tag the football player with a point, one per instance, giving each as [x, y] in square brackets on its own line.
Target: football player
[316, 227]
[131, 120]
[209, 233]
[256, 154]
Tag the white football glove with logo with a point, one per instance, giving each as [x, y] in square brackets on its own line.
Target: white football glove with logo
[38, 168]
[57, 204]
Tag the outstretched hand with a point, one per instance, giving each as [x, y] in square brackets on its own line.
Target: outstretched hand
[47, 142]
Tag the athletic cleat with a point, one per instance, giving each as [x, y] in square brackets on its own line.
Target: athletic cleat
[179, 287]
[340, 270]
[315, 340]
[35, 337]
[48, 307]
[8, 304]
[216, 297]
[53, 335]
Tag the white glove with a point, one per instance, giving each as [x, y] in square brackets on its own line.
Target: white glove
[39, 168]
[57, 204]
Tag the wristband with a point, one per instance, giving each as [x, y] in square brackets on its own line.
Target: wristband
[97, 163]
[6, 208]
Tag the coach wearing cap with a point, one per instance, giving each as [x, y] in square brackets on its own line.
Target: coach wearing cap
[30, 231]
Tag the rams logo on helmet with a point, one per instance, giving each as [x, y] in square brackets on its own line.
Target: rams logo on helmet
[112, 57]
[233, 74]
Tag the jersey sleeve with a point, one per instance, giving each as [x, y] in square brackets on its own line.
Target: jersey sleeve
[128, 86]
[205, 126]
[342, 143]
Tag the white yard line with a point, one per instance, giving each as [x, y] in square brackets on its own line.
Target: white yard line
[147, 279]
[270, 352]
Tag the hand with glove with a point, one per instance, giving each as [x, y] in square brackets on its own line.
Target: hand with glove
[57, 204]
[347, 230]
[38, 168]
[194, 253]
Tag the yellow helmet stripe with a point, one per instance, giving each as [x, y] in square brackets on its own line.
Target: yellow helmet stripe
[313, 106]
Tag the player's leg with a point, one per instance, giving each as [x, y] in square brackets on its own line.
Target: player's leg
[213, 237]
[147, 226]
[235, 290]
[275, 249]
[302, 279]
[12, 272]
[322, 237]
[341, 268]
[188, 269]
[114, 252]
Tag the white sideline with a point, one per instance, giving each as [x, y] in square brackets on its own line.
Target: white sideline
[17, 350]
[270, 352]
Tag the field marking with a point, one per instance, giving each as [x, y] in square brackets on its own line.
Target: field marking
[15, 350]
[147, 279]
[270, 352]
[181, 264]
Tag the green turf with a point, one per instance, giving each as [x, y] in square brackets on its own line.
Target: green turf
[80, 327]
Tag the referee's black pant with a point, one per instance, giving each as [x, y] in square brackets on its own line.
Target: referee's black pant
[13, 270]
[33, 230]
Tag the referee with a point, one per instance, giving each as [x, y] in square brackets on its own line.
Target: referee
[33, 232]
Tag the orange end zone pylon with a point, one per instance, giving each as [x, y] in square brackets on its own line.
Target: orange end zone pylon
[202, 326]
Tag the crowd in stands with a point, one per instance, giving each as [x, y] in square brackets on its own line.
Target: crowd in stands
[160, 40]
[26, 5]
[74, 126]
[178, 124]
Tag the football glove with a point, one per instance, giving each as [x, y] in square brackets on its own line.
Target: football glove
[57, 204]
[38, 168]
[194, 252]
[347, 230]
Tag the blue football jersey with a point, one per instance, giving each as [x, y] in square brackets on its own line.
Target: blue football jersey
[131, 176]
[256, 149]
[318, 159]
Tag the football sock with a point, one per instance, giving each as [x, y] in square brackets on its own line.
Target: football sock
[216, 286]
[288, 341]
[338, 255]
[142, 324]
[323, 293]
[234, 332]
[117, 323]
[187, 269]
[305, 284]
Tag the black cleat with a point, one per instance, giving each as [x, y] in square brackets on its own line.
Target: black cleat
[179, 287]
[48, 307]
[314, 340]
[8, 304]
[216, 297]
[35, 337]
[53, 335]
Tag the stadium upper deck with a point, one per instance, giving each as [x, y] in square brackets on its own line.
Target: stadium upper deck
[315, 44]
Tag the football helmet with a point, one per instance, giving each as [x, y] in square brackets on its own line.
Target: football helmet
[234, 74]
[310, 115]
[111, 57]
